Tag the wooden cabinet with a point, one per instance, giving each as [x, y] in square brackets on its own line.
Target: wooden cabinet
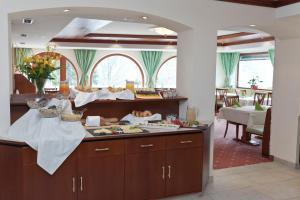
[144, 169]
[101, 170]
[141, 168]
[163, 166]
[38, 184]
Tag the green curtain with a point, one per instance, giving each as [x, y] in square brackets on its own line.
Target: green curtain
[229, 62]
[22, 53]
[151, 61]
[85, 58]
[272, 55]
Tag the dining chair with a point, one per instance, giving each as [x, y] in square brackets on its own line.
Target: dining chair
[269, 99]
[220, 95]
[230, 101]
[259, 97]
[263, 130]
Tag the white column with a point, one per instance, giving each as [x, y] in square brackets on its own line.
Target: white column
[285, 101]
[4, 73]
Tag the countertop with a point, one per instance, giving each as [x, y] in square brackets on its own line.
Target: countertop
[89, 137]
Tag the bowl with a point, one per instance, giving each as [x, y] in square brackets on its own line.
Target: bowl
[37, 103]
[50, 112]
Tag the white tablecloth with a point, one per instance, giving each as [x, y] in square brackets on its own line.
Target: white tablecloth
[240, 115]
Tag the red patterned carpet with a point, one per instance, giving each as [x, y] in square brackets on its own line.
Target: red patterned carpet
[229, 153]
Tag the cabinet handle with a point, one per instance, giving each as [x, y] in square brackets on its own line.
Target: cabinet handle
[81, 184]
[146, 145]
[169, 174]
[186, 142]
[163, 172]
[73, 185]
[104, 149]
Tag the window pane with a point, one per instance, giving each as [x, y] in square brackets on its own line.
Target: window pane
[71, 75]
[166, 77]
[114, 71]
[54, 83]
[249, 69]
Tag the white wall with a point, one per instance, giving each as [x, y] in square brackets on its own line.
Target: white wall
[286, 101]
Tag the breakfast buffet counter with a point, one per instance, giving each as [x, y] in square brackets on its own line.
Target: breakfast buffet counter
[106, 108]
[150, 165]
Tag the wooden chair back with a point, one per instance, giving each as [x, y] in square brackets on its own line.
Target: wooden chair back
[241, 92]
[259, 97]
[231, 100]
[267, 134]
[269, 99]
[221, 93]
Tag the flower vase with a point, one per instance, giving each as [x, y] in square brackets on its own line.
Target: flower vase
[40, 84]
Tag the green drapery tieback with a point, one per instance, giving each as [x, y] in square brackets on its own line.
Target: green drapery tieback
[22, 53]
[85, 58]
[272, 56]
[151, 61]
[229, 62]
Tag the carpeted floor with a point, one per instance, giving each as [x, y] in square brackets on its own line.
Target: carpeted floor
[229, 153]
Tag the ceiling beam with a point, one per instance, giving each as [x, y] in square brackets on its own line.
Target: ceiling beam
[101, 41]
[264, 3]
[250, 41]
[108, 35]
[234, 35]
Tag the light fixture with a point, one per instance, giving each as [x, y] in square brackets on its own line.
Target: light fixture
[252, 25]
[27, 21]
[144, 17]
[23, 35]
[162, 31]
[66, 10]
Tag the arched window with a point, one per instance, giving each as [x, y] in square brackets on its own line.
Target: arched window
[113, 71]
[67, 72]
[166, 75]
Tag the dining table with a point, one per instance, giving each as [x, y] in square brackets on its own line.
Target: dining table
[241, 116]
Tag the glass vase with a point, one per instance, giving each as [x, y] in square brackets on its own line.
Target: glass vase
[40, 84]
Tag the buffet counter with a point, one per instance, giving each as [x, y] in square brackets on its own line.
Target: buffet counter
[150, 165]
[106, 108]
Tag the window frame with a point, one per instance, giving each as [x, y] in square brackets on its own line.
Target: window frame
[117, 54]
[162, 64]
[238, 70]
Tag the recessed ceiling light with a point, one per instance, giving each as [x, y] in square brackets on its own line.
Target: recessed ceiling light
[252, 25]
[144, 17]
[66, 10]
[23, 35]
[27, 21]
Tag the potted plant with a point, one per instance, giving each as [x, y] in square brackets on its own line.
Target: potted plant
[38, 69]
[254, 83]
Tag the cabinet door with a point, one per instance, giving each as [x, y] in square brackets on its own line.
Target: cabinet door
[184, 158]
[145, 169]
[38, 184]
[145, 176]
[184, 171]
[101, 171]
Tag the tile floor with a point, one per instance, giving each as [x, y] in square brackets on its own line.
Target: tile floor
[265, 181]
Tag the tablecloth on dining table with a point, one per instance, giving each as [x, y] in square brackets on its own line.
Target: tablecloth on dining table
[53, 139]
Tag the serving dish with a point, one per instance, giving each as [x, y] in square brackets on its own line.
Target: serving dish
[50, 112]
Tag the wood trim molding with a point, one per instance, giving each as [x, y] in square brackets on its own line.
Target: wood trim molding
[264, 3]
[100, 41]
[234, 35]
[117, 54]
[250, 41]
[99, 35]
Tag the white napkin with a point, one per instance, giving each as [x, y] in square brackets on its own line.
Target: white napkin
[83, 98]
[54, 140]
[137, 120]
[93, 121]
